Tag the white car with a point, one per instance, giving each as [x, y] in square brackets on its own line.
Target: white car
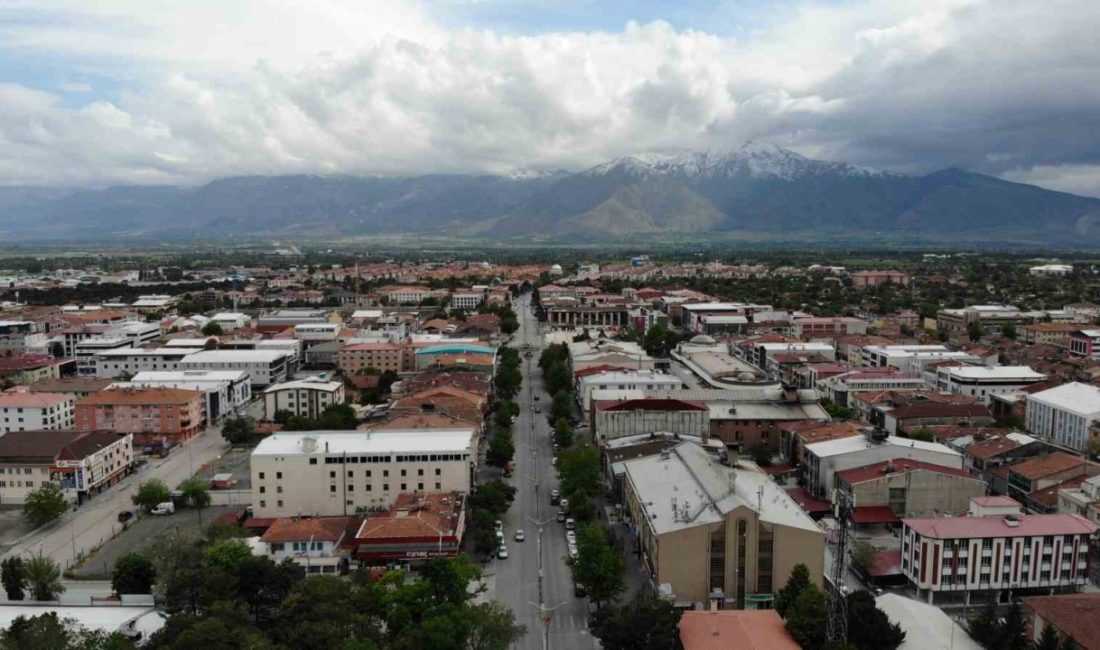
[571, 536]
[519, 537]
[502, 553]
[570, 524]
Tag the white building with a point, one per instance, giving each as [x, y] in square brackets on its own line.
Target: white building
[312, 543]
[408, 295]
[22, 336]
[313, 333]
[838, 388]
[466, 300]
[230, 321]
[328, 473]
[130, 361]
[911, 358]
[998, 552]
[693, 313]
[36, 411]
[1063, 414]
[225, 390]
[154, 302]
[305, 398]
[1051, 269]
[624, 380]
[823, 460]
[982, 381]
[1083, 500]
[761, 352]
[87, 351]
[264, 367]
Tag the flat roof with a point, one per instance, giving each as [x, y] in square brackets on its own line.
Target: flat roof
[329, 386]
[130, 352]
[995, 526]
[860, 442]
[1024, 373]
[1074, 397]
[368, 442]
[234, 356]
[190, 375]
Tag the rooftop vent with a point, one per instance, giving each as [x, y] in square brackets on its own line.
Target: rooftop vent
[1012, 521]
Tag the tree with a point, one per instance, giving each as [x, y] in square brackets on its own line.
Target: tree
[44, 578]
[1008, 330]
[1048, 640]
[494, 497]
[212, 329]
[868, 626]
[974, 332]
[643, 623]
[133, 574]
[806, 618]
[501, 448]
[984, 627]
[579, 469]
[338, 417]
[798, 580]
[1013, 632]
[228, 555]
[44, 505]
[239, 431]
[1070, 644]
[485, 538]
[561, 406]
[195, 494]
[761, 455]
[563, 433]
[281, 416]
[150, 493]
[863, 556]
[13, 575]
[597, 566]
[49, 632]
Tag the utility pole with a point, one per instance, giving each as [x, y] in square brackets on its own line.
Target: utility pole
[544, 614]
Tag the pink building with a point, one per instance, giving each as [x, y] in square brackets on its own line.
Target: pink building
[875, 278]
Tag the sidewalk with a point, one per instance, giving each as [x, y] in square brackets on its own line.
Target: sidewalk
[634, 577]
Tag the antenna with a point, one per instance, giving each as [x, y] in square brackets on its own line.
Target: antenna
[836, 626]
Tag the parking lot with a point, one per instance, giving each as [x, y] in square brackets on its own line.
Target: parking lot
[235, 462]
[138, 534]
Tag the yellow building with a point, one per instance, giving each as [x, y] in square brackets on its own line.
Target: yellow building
[712, 533]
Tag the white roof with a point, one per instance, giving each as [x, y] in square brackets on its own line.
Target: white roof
[1075, 397]
[230, 315]
[367, 313]
[152, 352]
[368, 442]
[197, 376]
[305, 384]
[859, 443]
[704, 491]
[926, 626]
[722, 306]
[637, 377]
[1023, 373]
[794, 346]
[234, 356]
[712, 319]
[187, 343]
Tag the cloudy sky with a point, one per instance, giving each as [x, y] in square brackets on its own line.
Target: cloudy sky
[149, 91]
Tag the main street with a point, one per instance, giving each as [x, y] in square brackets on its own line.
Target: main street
[78, 533]
[516, 579]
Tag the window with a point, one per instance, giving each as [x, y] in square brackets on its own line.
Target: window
[368, 473]
[277, 475]
[277, 546]
[280, 502]
[312, 461]
[420, 472]
[263, 504]
[404, 487]
[279, 489]
[332, 489]
[350, 475]
[438, 472]
[263, 490]
[419, 486]
[385, 473]
[351, 488]
[261, 476]
[403, 473]
[385, 487]
[439, 486]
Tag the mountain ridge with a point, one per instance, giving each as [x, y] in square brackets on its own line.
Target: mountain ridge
[754, 189]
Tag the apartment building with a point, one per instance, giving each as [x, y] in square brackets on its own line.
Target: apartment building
[410, 295]
[1030, 476]
[861, 279]
[1085, 343]
[995, 552]
[23, 336]
[810, 327]
[315, 544]
[991, 319]
[983, 382]
[912, 358]
[80, 463]
[839, 388]
[166, 415]
[624, 380]
[1047, 333]
[28, 368]
[330, 473]
[710, 534]
[27, 411]
[126, 361]
[1082, 500]
[380, 356]
[907, 488]
[264, 367]
[231, 321]
[466, 300]
[88, 351]
[307, 398]
[225, 391]
[823, 460]
[1064, 415]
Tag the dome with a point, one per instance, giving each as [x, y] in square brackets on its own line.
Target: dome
[746, 376]
[555, 268]
[702, 339]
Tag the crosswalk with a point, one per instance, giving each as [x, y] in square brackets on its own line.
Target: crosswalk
[562, 622]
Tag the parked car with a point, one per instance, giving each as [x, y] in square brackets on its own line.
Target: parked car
[538, 410]
[564, 504]
[561, 515]
[502, 553]
[165, 508]
[578, 590]
[499, 525]
[555, 497]
[536, 398]
[519, 536]
[570, 524]
[125, 516]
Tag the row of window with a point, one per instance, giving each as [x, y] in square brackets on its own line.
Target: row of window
[401, 458]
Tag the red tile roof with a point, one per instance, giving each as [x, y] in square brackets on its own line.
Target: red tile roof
[807, 501]
[1049, 496]
[1037, 468]
[420, 516]
[322, 529]
[743, 629]
[1075, 615]
[652, 404]
[896, 466]
[939, 410]
[142, 396]
[874, 515]
[995, 526]
[887, 563]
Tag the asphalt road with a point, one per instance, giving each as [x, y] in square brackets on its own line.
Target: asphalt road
[77, 533]
[515, 581]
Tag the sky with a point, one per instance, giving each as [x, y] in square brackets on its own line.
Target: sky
[156, 92]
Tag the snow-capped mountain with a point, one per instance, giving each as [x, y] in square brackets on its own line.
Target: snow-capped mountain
[758, 161]
[761, 190]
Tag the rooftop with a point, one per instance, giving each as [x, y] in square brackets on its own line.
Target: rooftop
[859, 443]
[1022, 373]
[414, 516]
[1076, 615]
[743, 629]
[895, 466]
[154, 395]
[293, 529]
[1055, 463]
[1075, 397]
[306, 384]
[32, 400]
[995, 526]
[234, 356]
[367, 442]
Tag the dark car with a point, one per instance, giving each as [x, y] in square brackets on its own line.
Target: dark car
[125, 516]
[578, 590]
[561, 515]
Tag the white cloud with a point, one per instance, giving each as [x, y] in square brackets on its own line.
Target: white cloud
[251, 87]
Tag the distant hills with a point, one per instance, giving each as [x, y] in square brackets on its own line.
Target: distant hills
[754, 192]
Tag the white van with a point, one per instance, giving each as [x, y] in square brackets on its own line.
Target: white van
[165, 508]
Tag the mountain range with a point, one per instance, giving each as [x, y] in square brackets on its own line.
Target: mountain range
[753, 192]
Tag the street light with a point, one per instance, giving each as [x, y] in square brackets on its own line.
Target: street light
[544, 613]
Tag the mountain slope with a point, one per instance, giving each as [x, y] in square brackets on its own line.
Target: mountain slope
[755, 189]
